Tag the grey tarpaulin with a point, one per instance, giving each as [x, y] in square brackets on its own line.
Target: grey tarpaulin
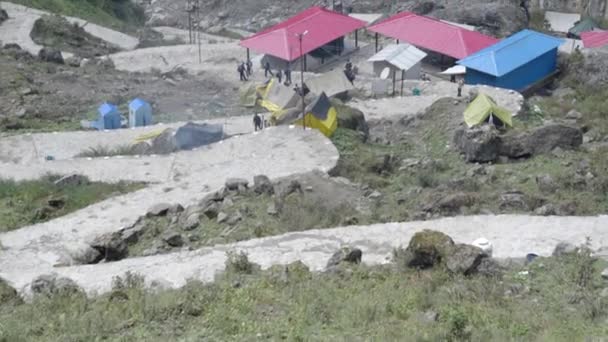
[194, 135]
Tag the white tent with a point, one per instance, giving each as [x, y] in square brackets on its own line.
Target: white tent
[399, 57]
[455, 70]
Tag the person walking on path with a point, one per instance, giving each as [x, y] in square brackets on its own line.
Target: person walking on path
[257, 122]
[288, 75]
[267, 69]
[249, 67]
[279, 75]
[241, 70]
[460, 86]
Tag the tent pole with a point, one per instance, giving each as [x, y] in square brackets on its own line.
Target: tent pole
[376, 36]
[402, 77]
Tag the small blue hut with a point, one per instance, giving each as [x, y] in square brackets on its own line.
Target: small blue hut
[140, 113]
[109, 117]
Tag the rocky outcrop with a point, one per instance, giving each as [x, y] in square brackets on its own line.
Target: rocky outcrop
[50, 285]
[427, 249]
[346, 254]
[3, 15]
[111, 246]
[51, 56]
[8, 294]
[484, 143]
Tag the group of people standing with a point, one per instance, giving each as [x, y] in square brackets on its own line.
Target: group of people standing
[245, 70]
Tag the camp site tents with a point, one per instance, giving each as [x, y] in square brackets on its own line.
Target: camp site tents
[321, 115]
[109, 117]
[595, 39]
[584, 25]
[194, 135]
[276, 97]
[480, 110]
[140, 113]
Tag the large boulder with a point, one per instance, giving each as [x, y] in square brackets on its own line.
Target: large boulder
[464, 259]
[346, 254]
[111, 246]
[8, 295]
[50, 55]
[479, 144]
[51, 284]
[235, 184]
[351, 118]
[3, 15]
[84, 254]
[428, 248]
[452, 204]
[546, 138]
[262, 185]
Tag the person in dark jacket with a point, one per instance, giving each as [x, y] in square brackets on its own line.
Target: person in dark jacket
[257, 122]
[241, 70]
[267, 69]
[288, 75]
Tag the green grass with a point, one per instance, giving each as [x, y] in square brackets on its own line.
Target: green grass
[118, 14]
[384, 303]
[24, 203]
[105, 151]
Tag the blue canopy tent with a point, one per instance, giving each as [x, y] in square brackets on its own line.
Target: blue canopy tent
[140, 113]
[109, 117]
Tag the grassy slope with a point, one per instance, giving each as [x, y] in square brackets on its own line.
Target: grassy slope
[361, 303]
[120, 15]
[21, 202]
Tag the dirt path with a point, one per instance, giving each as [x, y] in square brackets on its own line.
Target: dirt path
[21, 21]
[184, 178]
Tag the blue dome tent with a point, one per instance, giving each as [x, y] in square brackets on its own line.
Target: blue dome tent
[140, 113]
[109, 117]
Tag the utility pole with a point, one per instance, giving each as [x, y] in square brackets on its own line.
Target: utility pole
[302, 59]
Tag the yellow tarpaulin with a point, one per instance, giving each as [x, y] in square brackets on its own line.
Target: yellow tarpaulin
[480, 109]
[321, 115]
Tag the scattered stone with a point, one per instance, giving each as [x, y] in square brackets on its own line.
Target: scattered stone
[111, 246]
[154, 250]
[564, 248]
[165, 143]
[222, 217]
[85, 255]
[8, 294]
[464, 259]
[429, 317]
[211, 211]
[160, 209]
[490, 268]
[546, 210]
[262, 185]
[346, 254]
[272, 209]
[74, 61]
[192, 222]
[513, 200]
[50, 285]
[50, 55]
[375, 195]
[173, 238]
[452, 203]
[605, 274]
[176, 209]
[574, 115]
[72, 180]
[234, 184]
[427, 248]
[546, 183]
[56, 203]
[227, 203]
[234, 218]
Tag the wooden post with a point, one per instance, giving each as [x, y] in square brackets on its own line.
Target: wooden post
[376, 36]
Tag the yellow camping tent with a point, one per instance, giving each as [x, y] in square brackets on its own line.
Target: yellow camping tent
[480, 109]
[321, 115]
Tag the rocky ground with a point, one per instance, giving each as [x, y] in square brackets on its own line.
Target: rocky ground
[37, 95]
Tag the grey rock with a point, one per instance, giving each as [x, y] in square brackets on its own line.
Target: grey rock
[111, 246]
[8, 294]
[605, 274]
[85, 254]
[272, 209]
[546, 138]
[513, 200]
[154, 250]
[452, 204]
[546, 183]
[564, 248]
[546, 210]
[176, 209]
[604, 293]
[464, 259]
[490, 267]
[234, 218]
[233, 184]
[375, 195]
[478, 144]
[74, 61]
[427, 248]
[165, 143]
[345, 254]
[211, 211]
[429, 317]
[50, 55]
[222, 217]
[173, 238]
[227, 203]
[574, 115]
[51, 284]
[72, 180]
[160, 209]
[141, 148]
[262, 185]
[192, 222]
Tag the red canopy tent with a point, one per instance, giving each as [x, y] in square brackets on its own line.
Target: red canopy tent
[433, 34]
[594, 39]
[282, 40]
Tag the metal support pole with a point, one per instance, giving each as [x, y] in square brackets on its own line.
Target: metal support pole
[402, 77]
[394, 81]
[248, 54]
[302, 67]
[356, 38]
[376, 36]
[397, 40]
